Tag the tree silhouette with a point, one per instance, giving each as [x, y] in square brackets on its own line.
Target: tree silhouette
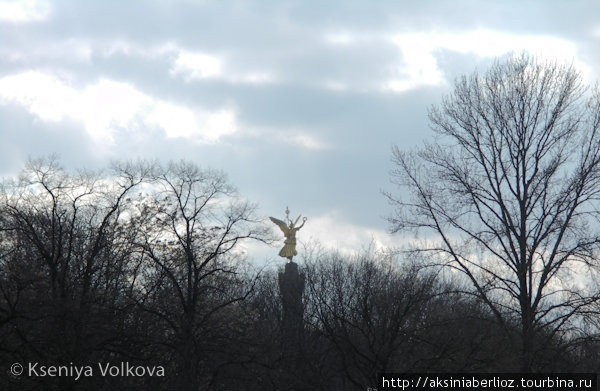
[508, 194]
[189, 229]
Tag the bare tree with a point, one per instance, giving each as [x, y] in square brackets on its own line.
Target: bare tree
[190, 226]
[508, 194]
[63, 259]
[369, 309]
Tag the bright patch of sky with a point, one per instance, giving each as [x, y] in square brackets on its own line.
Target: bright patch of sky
[106, 107]
[419, 65]
[196, 66]
[21, 11]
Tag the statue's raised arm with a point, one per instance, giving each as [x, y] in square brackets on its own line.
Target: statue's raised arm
[303, 222]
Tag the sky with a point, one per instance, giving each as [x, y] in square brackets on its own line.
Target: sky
[299, 102]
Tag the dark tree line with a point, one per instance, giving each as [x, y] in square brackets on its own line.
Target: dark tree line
[142, 264]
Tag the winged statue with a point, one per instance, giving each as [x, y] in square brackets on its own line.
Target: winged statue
[289, 230]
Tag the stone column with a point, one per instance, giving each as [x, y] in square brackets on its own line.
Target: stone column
[291, 287]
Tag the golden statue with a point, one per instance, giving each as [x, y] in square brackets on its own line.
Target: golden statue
[289, 229]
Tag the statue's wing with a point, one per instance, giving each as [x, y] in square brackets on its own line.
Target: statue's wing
[283, 226]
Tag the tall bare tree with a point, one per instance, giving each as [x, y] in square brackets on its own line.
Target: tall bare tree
[508, 194]
[190, 227]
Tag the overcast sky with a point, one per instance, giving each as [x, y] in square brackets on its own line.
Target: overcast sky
[298, 101]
